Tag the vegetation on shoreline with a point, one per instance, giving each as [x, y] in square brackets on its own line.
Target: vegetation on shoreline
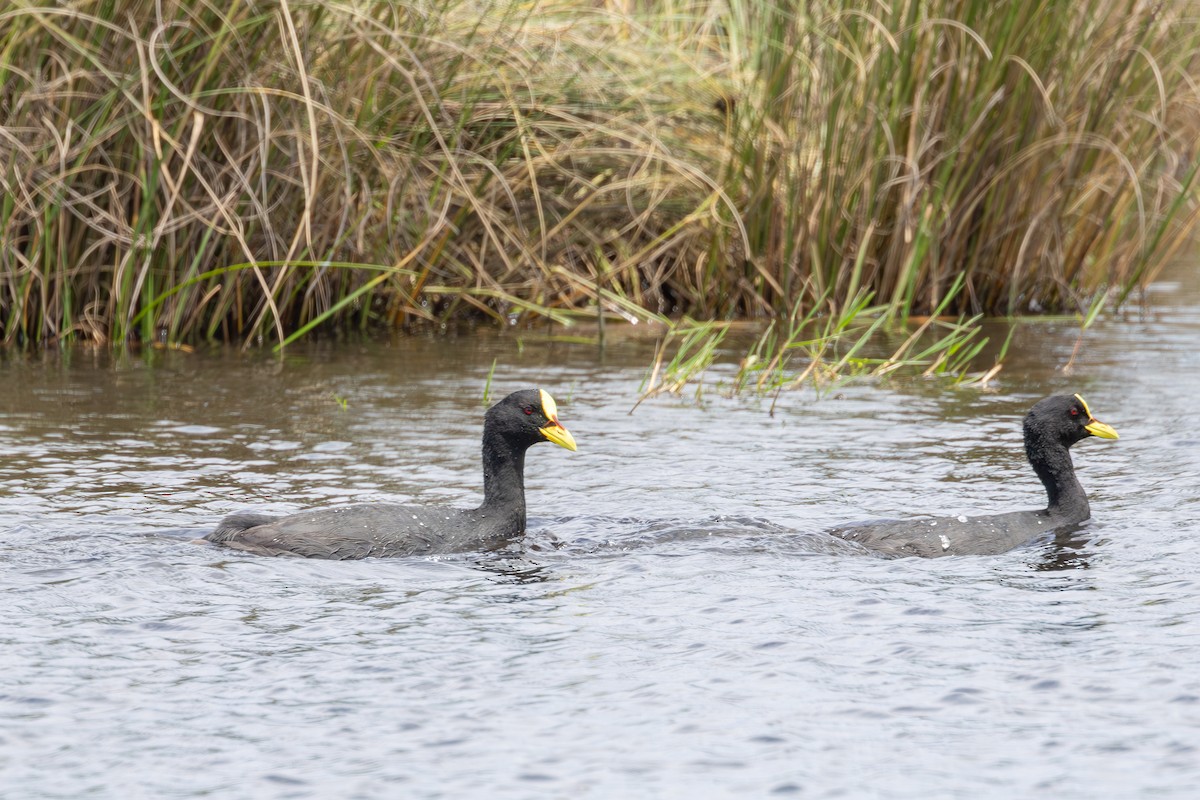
[252, 170]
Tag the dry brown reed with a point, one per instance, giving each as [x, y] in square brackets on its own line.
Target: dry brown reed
[250, 170]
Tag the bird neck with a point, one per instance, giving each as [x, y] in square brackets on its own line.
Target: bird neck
[1051, 460]
[503, 478]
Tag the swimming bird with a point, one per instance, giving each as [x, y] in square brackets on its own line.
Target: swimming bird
[387, 530]
[1051, 427]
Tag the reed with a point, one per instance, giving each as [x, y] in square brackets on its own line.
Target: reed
[825, 351]
[251, 171]
[1040, 152]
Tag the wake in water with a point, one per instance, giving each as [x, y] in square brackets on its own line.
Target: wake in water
[575, 537]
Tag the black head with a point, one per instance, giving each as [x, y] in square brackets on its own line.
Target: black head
[1064, 418]
[528, 417]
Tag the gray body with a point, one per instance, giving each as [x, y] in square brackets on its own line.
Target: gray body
[378, 530]
[931, 537]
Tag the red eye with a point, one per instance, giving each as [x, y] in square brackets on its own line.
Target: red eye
[1074, 412]
[528, 410]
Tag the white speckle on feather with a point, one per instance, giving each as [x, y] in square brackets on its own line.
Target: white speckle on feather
[933, 524]
[962, 518]
[945, 542]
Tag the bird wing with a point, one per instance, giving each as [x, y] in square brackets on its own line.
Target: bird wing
[345, 532]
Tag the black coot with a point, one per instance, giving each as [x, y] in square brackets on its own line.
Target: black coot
[387, 530]
[1051, 427]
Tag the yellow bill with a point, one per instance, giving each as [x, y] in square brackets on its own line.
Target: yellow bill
[554, 430]
[1094, 426]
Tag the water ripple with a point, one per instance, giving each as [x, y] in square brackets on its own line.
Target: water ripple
[676, 623]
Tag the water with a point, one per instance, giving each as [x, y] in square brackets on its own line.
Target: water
[675, 626]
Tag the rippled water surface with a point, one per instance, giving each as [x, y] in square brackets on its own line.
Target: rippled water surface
[675, 624]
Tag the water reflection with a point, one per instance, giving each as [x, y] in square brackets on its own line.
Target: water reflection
[1069, 550]
[515, 568]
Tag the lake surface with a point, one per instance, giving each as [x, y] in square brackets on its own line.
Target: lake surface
[675, 624]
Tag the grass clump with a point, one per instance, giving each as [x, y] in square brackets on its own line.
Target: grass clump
[174, 171]
[825, 349]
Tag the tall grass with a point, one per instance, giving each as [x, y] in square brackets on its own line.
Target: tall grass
[254, 169]
[1040, 151]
